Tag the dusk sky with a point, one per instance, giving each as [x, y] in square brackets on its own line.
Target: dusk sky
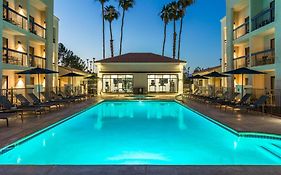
[81, 29]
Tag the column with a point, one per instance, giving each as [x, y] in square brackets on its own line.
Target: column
[278, 51]
[229, 44]
[49, 42]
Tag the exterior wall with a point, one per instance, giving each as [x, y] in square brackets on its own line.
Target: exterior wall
[21, 39]
[140, 71]
[257, 39]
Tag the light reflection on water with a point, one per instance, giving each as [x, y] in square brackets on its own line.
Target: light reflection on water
[141, 132]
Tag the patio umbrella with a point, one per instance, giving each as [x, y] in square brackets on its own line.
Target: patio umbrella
[198, 77]
[37, 71]
[243, 71]
[215, 75]
[72, 75]
[92, 77]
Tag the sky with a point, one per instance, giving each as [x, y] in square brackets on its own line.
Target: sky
[80, 30]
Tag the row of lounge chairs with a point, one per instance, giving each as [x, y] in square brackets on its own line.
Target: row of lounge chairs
[32, 104]
[231, 100]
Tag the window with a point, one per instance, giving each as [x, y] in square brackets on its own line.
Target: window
[117, 83]
[272, 43]
[163, 83]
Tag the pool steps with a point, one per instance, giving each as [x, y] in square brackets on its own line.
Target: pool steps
[273, 150]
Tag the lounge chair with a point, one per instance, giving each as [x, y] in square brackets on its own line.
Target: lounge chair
[234, 104]
[26, 104]
[230, 99]
[60, 97]
[36, 101]
[258, 103]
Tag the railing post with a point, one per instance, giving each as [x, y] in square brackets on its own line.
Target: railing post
[12, 95]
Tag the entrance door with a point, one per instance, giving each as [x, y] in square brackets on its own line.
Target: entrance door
[31, 57]
[31, 24]
[247, 28]
[247, 54]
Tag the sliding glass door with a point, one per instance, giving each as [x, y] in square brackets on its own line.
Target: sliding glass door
[117, 83]
[167, 83]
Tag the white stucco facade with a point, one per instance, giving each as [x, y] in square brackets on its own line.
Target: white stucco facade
[29, 39]
[146, 75]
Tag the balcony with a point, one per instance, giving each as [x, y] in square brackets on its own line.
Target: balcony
[241, 30]
[14, 57]
[263, 58]
[14, 17]
[37, 29]
[37, 61]
[263, 18]
[240, 62]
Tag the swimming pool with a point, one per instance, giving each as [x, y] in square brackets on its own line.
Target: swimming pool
[141, 133]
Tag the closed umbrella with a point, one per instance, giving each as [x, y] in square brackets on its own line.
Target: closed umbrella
[244, 71]
[37, 71]
[215, 75]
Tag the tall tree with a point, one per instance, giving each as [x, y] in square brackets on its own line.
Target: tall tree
[125, 5]
[102, 2]
[182, 5]
[111, 14]
[164, 14]
[68, 59]
[174, 16]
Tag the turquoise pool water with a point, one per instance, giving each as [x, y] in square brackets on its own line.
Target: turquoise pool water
[141, 133]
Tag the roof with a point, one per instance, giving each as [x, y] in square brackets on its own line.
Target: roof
[72, 70]
[207, 69]
[140, 58]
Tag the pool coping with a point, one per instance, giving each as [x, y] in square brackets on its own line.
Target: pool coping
[260, 135]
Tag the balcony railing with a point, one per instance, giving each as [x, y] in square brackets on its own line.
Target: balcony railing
[241, 30]
[37, 29]
[240, 62]
[37, 61]
[263, 58]
[14, 57]
[263, 18]
[14, 17]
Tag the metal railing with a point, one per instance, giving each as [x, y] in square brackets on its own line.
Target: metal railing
[37, 29]
[13, 17]
[241, 30]
[37, 61]
[263, 18]
[240, 62]
[14, 57]
[263, 58]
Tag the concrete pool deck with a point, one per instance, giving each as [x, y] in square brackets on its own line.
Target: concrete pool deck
[254, 122]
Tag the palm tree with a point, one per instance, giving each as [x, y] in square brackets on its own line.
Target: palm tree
[174, 16]
[164, 14]
[182, 5]
[111, 14]
[125, 5]
[102, 2]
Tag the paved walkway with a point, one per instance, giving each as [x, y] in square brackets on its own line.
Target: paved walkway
[140, 170]
[238, 120]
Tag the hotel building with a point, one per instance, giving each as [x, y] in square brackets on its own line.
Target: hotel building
[140, 73]
[251, 37]
[29, 32]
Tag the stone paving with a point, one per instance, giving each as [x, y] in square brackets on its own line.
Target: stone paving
[254, 122]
